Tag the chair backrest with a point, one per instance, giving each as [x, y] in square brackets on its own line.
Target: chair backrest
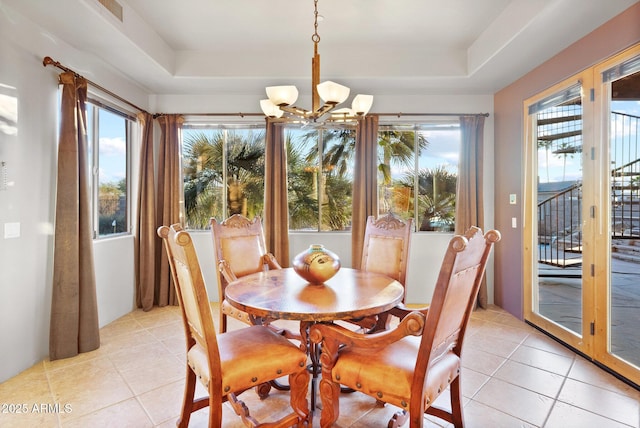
[386, 246]
[454, 297]
[240, 243]
[192, 294]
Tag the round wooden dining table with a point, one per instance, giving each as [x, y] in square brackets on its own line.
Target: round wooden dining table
[283, 294]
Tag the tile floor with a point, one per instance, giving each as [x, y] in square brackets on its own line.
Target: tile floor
[513, 376]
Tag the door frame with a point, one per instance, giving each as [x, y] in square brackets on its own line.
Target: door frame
[594, 342]
[580, 342]
[602, 296]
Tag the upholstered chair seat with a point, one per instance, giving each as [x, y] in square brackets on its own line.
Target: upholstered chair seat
[410, 365]
[276, 358]
[227, 364]
[389, 372]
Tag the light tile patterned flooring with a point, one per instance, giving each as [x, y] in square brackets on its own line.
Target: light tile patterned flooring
[513, 376]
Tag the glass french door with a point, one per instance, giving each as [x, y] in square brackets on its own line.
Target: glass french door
[582, 213]
[557, 204]
[617, 317]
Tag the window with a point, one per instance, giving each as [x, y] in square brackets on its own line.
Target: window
[320, 187]
[223, 168]
[418, 172]
[109, 136]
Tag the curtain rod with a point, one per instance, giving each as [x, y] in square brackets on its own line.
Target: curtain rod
[240, 114]
[432, 114]
[377, 114]
[49, 61]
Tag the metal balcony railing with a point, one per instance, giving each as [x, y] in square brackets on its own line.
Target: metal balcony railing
[559, 228]
[625, 175]
[560, 215]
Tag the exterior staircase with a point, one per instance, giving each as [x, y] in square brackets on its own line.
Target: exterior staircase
[626, 249]
[560, 203]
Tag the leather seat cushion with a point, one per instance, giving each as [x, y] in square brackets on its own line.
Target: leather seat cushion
[242, 367]
[387, 373]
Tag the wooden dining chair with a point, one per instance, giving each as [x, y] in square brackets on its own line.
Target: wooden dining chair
[229, 363]
[385, 250]
[386, 246]
[411, 365]
[240, 250]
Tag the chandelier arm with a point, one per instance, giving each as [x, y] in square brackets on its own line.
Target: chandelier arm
[317, 109]
[296, 111]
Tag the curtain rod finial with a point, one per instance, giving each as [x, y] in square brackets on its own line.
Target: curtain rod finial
[47, 61]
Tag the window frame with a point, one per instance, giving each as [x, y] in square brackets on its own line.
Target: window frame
[320, 186]
[205, 124]
[94, 104]
[414, 126]
[417, 126]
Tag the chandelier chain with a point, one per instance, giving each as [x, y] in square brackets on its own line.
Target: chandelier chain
[315, 37]
[325, 96]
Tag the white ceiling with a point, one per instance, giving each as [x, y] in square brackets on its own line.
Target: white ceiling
[373, 46]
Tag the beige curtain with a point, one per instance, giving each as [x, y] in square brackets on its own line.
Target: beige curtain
[74, 310]
[276, 208]
[469, 199]
[168, 201]
[146, 237]
[365, 183]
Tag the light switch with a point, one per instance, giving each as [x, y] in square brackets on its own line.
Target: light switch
[514, 222]
[512, 199]
[11, 230]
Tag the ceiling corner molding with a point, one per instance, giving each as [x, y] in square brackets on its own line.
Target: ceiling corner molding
[114, 7]
[503, 30]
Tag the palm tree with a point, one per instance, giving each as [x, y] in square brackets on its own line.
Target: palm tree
[436, 197]
[302, 195]
[321, 187]
[397, 147]
[204, 178]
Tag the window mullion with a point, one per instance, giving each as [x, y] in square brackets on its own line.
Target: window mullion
[95, 168]
[225, 196]
[318, 177]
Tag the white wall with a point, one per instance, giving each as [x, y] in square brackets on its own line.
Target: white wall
[26, 261]
[115, 279]
[31, 161]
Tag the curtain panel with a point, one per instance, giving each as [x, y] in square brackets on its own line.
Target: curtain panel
[145, 234]
[365, 184]
[276, 207]
[74, 310]
[469, 194]
[169, 195]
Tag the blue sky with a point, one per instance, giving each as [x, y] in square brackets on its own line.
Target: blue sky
[443, 149]
[113, 147]
[556, 167]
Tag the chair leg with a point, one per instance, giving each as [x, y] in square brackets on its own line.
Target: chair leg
[398, 419]
[223, 321]
[263, 390]
[456, 403]
[187, 400]
[299, 386]
[329, 394]
[239, 407]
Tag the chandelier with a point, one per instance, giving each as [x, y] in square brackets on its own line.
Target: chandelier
[281, 98]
